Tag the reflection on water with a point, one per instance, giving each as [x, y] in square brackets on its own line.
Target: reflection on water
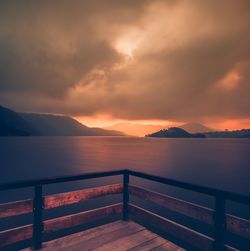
[221, 163]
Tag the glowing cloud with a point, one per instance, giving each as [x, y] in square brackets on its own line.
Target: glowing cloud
[129, 60]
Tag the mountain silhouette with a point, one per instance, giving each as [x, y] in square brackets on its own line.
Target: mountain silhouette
[175, 132]
[192, 127]
[11, 123]
[32, 124]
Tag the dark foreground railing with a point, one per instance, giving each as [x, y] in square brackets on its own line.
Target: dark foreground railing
[218, 218]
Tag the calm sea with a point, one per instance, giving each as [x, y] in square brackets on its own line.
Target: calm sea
[218, 163]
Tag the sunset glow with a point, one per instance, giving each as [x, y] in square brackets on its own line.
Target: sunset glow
[143, 62]
[126, 45]
[231, 80]
[233, 124]
[99, 95]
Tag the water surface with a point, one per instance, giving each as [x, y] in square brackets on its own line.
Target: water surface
[220, 163]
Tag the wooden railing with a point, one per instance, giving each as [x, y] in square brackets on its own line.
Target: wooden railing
[221, 222]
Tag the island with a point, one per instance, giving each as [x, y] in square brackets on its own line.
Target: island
[175, 132]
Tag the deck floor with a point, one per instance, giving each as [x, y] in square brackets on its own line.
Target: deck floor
[118, 236]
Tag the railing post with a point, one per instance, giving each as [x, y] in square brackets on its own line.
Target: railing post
[125, 195]
[220, 222]
[37, 220]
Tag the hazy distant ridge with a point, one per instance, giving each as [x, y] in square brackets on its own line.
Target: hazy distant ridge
[243, 133]
[134, 129]
[175, 132]
[195, 128]
[32, 124]
[11, 123]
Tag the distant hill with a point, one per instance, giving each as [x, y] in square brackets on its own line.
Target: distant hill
[175, 132]
[195, 128]
[32, 124]
[11, 123]
[57, 125]
[244, 133]
[135, 129]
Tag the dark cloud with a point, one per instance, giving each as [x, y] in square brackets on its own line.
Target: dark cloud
[47, 47]
[178, 60]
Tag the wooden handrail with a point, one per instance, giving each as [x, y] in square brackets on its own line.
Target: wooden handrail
[39, 203]
[235, 225]
[68, 198]
[60, 199]
[60, 179]
[81, 218]
[16, 208]
[176, 205]
[14, 235]
[171, 228]
[18, 234]
[238, 226]
[244, 199]
[218, 217]
[172, 182]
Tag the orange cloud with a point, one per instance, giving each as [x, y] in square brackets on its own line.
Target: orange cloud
[130, 60]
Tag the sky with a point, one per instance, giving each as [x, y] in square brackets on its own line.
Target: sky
[149, 62]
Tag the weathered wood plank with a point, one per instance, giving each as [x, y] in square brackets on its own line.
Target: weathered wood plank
[16, 208]
[127, 242]
[102, 240]
[81, 218]
[238, 226]
[169, 246]
[183, 233]
[14, 235]
[76, 238]
[149, 245]
[62, 199]
[180, 206]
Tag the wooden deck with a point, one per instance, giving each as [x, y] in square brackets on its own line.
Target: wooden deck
[119, 236]
[124, 235]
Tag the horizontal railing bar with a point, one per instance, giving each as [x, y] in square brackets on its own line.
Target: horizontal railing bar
[15, 235]
[172, 228]
[238, 226]
[60, 179]
[176, 183]
[16, 208]
[229, 248]
[234, 224]
[195, 211]
[72, 197]
[180, 184]
[192, 187]
[236, 197]
[81, 218]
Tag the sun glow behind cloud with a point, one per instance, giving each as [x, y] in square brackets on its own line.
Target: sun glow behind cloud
[103, 120]
[130, 60]
[135, 128]
[129, 41]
